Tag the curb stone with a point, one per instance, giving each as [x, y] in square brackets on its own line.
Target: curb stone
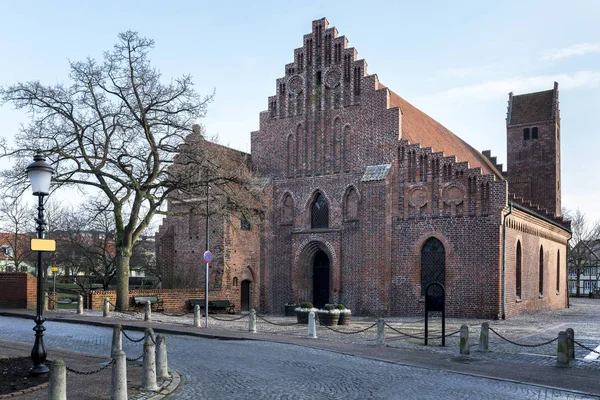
[167, 387]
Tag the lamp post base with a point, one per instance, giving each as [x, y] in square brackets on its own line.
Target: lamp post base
[38, 353]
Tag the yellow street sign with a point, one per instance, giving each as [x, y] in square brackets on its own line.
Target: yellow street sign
[54, 269]
[43, 245]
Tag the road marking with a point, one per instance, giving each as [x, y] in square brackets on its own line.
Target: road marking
[593, 356]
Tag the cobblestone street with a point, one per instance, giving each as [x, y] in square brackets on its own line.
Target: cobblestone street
[234, 369]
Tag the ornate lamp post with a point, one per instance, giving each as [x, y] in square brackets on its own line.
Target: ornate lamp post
[39, 173]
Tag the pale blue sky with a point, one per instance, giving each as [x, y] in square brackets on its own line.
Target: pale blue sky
[456, 61]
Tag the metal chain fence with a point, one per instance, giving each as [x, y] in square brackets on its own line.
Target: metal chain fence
[404, 333]
[274, 323]
[523, 344]
[229, 319]
[585, 347]
[136, 359]
[111, 362]
[347, 332]
[131, 339]
[441, 336]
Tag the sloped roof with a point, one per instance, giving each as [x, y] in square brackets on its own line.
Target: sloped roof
[418, 127]
[531, 107]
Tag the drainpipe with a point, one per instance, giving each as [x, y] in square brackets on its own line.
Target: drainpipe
[504, 260]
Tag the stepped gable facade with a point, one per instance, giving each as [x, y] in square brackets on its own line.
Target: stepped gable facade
[372, 199]
[368, 200]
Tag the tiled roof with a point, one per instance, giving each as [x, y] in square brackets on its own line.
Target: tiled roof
[376, 172]
[531, 107]
[418, 127]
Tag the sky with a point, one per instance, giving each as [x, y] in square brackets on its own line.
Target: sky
[457, 61]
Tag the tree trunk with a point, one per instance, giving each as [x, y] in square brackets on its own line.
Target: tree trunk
[122, 261]
[577, 292]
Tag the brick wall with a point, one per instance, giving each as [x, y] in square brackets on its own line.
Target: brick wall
[19, 290]
[175, 300]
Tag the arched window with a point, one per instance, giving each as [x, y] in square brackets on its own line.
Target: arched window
[433, 263]
[235, 282]
[518, 270]
[346, 148]
[300, 145]
[337, 144]
[525, 133]
[541, 271]
[287, 210]
[319, 213]
[351, 204]
[557, 271]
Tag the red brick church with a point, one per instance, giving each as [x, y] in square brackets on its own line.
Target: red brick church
[369, 200]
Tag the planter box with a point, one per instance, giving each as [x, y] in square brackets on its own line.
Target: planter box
[344, 319]
[290, 311]
[302, 317]
[328, 319]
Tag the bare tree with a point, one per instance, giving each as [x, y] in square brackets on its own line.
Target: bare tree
[86, 245]
[116, 130]
[17, 220]
[581, 255]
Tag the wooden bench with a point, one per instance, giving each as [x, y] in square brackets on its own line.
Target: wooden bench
[214, 305]
[140, 301]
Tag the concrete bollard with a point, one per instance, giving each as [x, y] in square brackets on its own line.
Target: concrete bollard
[45, 301]
[312, 329]
[80, 305]
[162, 367]
[252, 321]
[571, 343]
[484, 337]
[118, 384]
[147, 333]
[149, 364]
[197, 316]
[106, 309]
[117, 340]
[464, 341]
[148, 313]
[562, 351]
[380, 332]
[57, 385]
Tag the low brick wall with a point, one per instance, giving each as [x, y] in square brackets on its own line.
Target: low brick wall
[175, 300]
[18, 290]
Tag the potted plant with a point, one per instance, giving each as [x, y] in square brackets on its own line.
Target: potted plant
[329, 315]
[344, 314]
[303, 311]
[290, 308]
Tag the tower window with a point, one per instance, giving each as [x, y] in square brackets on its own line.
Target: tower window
[318, 77]
[526, 134]
[534, 133]
[245, 224]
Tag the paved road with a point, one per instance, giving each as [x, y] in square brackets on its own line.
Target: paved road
[215, 369]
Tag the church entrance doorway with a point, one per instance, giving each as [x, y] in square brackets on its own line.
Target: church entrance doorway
[320, 279]
[245, 301]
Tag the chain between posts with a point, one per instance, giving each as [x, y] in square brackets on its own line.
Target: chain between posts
[274, 323]
[403, 333]
[345, 332]
[523, 344]
[136, 359]
[111, 362]
[229, 319]
[585, 347]
[130, 339]
[448, 335]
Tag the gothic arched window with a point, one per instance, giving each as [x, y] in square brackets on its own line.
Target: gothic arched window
[351, 204]
[319, 213]
[433, 263]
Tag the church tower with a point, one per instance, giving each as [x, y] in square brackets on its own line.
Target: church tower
[533, 148]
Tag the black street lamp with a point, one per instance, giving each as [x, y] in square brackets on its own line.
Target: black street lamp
[39, 173]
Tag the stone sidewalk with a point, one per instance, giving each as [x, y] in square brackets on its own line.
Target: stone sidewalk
[534, 365]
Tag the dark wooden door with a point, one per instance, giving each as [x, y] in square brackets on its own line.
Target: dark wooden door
[245, 301]
[320, 279]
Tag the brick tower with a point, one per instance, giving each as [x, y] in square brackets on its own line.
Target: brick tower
[533, 148]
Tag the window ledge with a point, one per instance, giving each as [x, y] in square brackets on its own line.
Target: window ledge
[540, 296]
[557, 293]
[518, 300]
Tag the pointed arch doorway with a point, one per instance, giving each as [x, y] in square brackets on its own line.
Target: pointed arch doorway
[321, 277]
